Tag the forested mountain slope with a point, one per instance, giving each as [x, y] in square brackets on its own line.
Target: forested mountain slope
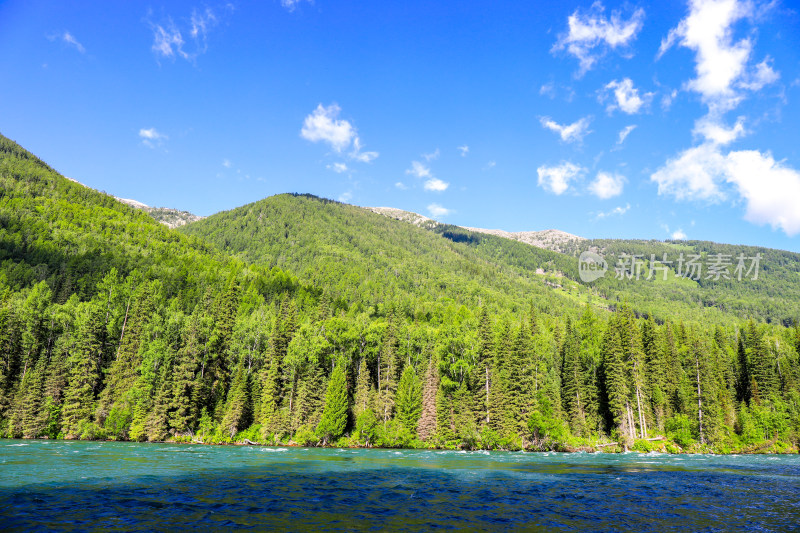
[96, 299]
[770, 292]
[366, 258]
[114, 326]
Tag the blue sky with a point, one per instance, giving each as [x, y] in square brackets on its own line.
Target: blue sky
[630, 120]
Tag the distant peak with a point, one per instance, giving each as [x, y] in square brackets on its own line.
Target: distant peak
[133, 203]
[550, 239]
[399, 214]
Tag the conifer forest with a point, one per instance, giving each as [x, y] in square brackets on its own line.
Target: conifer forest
[299, 320]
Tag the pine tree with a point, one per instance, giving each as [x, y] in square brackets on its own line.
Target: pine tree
[672, 370]
[124, 372]
[445, 415]
[84, 375]
[334, 415]
[654, 368]
[30, 422]
[183, 409]
[217, 364]
[797, 337]
[743, 375]
[387, 374]
[762, 365]
[270, 391]
[9, 356]
[157, 420]
[616, 383]
[238, 408]
[428, 419]
[409, 399]
[520, 380]
[361, 400]
[572, 380]
[310, 401]
[501, 415]
[479, 377]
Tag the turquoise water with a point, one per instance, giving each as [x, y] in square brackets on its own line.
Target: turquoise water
[128, 486]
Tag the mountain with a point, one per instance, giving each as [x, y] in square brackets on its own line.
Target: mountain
[770, 293]
[301, 320]
[551, 239]
[172, 218]
[373, 260]
[326, 243]
[405, 216]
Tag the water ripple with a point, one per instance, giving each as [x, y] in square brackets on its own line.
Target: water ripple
[130, 487]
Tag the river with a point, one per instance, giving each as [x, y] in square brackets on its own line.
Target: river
[129, 486]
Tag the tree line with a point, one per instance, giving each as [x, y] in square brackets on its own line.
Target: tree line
[133, 363]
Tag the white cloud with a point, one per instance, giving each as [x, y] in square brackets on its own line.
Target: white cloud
[432, 183]
[435, 184]
[345, 197]
[720, 62]
[151, 137]
[678, 235]
[548, 89]
[464, 150]
[338, 167]
[290, 5]
[358, 155]
[169, 41]
[617, 211]
[623, 134]
[431, 156]
[71, 40]
[693, 174]
[667, 99]
[716, 133]
[491, 164]
[322, 125]
[556, 179]
[226, 163]
[201, 23]
[626, 97]
[419, 170]
[592, 30]
[607, 185]
[761, 77]
[769, 188]
[569, 132]
[437, 211]
[400, 185]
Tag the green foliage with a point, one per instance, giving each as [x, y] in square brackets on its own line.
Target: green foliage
[115, 327]
[547, 429]
[367, 428]
[334, 416]
[409, 399]
[306, 436]
[679, 430]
